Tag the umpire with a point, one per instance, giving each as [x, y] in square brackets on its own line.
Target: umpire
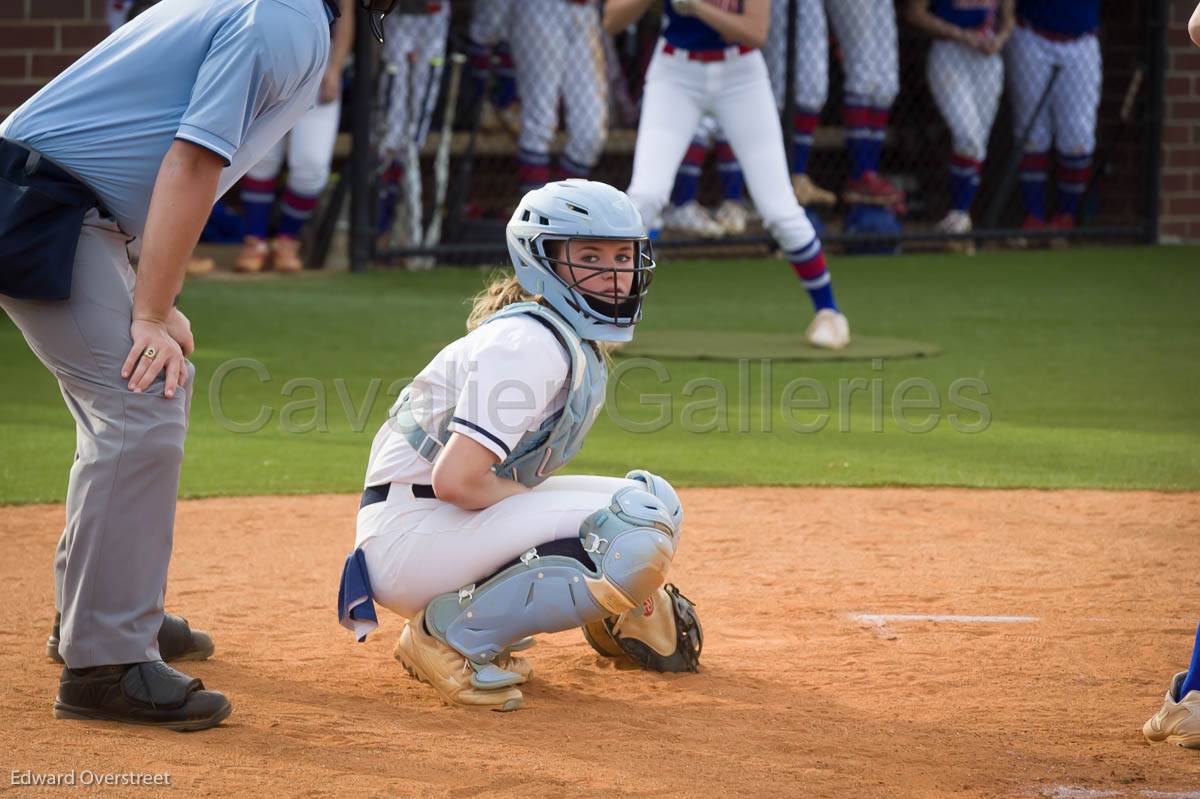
[136, 140]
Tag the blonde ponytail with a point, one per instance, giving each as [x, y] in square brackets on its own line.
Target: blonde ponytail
[502, 290]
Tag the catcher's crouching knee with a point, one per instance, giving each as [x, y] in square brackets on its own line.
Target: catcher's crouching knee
[664, 491]
[632, 543]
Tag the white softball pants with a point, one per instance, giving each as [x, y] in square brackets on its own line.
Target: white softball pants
[308, 148]
[417, 549]
[415, 52]
[558, 52]
[812, 53]
[866, 33]
[490, 21]
[966, 85]
[1069, 116]
[738, 95]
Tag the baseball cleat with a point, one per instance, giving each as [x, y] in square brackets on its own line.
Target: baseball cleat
[809, 193]
[957, 222]
[829, 330]
[872, 189]
[692, 217]
[285, 254]
[1178, 720]
[731, 216]
[253, 257]
[451, 674]
[177, 641]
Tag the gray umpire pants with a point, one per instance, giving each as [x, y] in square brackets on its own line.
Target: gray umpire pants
[110, 570]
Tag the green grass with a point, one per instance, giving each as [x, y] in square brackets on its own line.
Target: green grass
[1089, 358]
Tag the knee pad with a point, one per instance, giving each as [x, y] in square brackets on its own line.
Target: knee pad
[660, 488]
[628, 546]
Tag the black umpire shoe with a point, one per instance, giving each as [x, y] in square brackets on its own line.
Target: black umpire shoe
[151, 694]
[176, 641]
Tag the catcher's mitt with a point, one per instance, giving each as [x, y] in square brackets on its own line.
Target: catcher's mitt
[661, 634]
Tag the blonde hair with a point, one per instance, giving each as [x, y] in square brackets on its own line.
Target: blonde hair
[502, 290]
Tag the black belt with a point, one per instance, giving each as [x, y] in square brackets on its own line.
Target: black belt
[376, 494]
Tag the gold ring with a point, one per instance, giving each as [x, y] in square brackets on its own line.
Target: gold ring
[150, 353]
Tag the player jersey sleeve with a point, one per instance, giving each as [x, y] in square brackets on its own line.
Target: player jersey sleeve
[257, 59]
[513, 374]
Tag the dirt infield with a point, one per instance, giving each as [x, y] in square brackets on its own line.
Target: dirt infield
[798, 696]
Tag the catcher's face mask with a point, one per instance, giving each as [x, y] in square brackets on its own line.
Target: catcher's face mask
[376, 11]
[611, 275]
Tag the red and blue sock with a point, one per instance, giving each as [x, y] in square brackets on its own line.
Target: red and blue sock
[806, 121]
[687, 179]
[570, 168]
[1034, 170]
[964, 181]
[732, 180]
[506, 77]
[809, 265]
[533, 169]
[389, 196]
[479, 61]
[1072, 174]
[866, 128]
[258, 197]
[296, 210]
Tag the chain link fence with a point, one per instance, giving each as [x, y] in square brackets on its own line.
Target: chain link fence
[929, 123]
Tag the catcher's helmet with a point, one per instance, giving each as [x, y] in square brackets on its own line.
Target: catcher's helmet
[581, 209]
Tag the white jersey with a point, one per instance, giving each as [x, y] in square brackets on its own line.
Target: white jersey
[497, 383]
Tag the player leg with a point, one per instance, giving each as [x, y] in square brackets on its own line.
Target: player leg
[310, 156]
[112, 563]
[866, 32]
[672, 103]
[1074, 104]
[731, 214]
[585, 94]
[541, 55]
[812, 89]
[473, 583]
[1029, 65]
[951, 71]
[399, 81]
[685, 213]
[258, 200]
[744, 110]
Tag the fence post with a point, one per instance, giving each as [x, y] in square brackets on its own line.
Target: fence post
[1156, 42]
[789, 83]
[360, 158]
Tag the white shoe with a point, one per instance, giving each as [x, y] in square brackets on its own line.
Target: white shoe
[829, 330]
[692, 217]
[1178, 720]
[957, 222]
[731, 216]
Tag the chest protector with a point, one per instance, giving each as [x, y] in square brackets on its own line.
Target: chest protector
[544, 451]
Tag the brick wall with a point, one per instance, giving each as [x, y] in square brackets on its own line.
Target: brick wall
[39, 39]
[1181, 130]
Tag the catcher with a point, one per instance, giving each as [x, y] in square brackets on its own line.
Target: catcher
[462, 529]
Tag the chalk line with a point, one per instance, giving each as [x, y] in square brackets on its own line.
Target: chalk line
[884, 618]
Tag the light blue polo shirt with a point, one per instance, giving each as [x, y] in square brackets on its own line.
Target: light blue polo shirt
[232, 76]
